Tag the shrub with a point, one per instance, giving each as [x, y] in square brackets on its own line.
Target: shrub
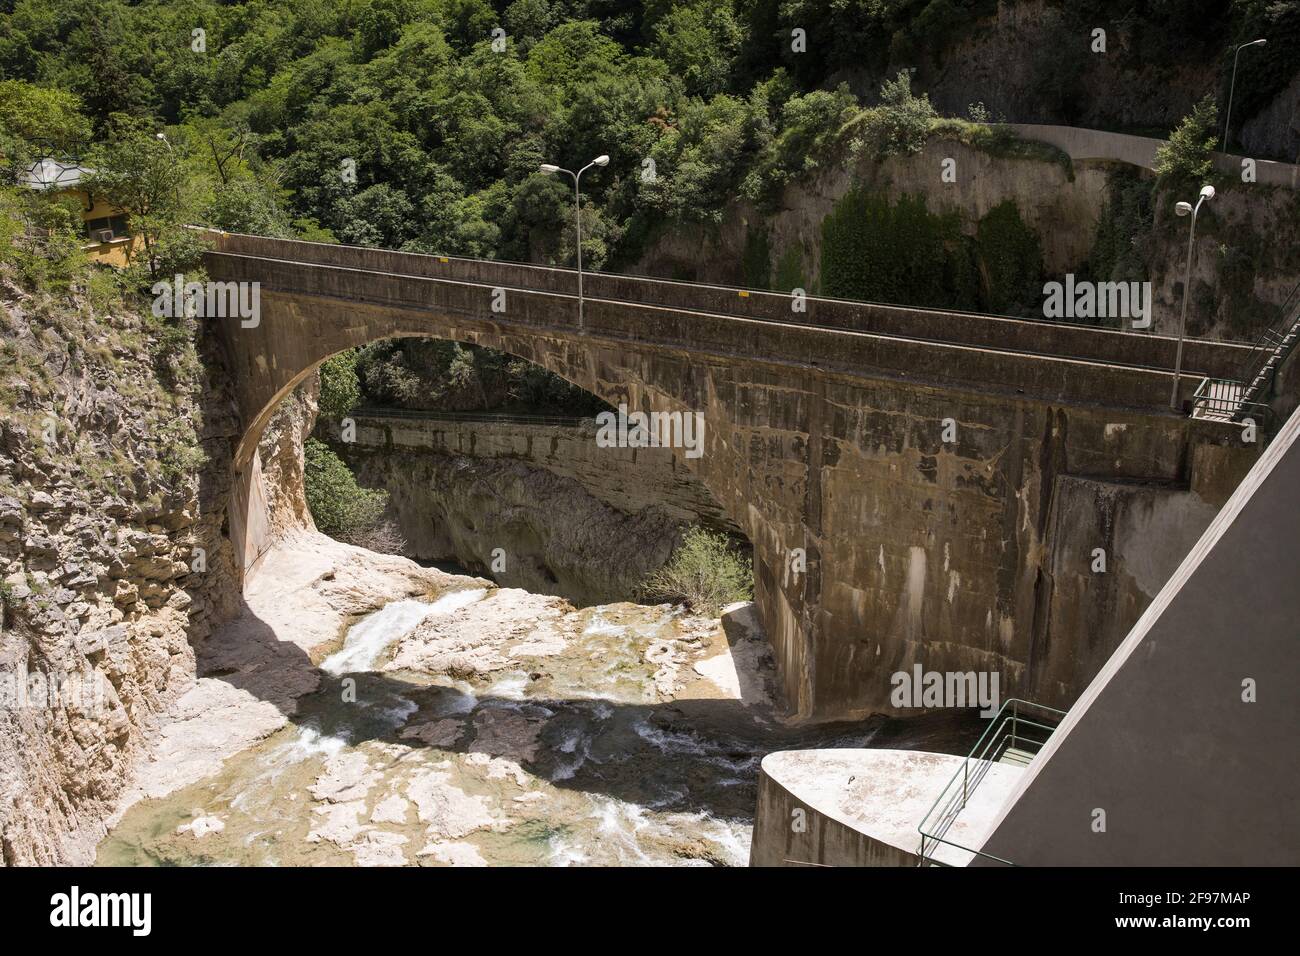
[900, 124]
[40, 237]
[341, 508]
[340, 388]
[705, 572]
[905, 117]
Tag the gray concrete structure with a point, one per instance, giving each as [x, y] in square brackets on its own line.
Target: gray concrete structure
[1084, 145]
[1165, 741]
[910, 479]
[860, 807]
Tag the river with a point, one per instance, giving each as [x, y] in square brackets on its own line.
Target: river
[611, 735]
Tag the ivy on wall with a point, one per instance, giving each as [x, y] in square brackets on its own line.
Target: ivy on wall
[755, 260]
[1011, 262]
[904, 254]
[789, 270]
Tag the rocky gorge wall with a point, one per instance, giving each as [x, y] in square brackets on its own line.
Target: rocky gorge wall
[114, 475]
[1027, 62]
[1245, 265]
[568, 517]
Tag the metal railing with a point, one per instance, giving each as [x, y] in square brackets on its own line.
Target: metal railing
[1235, 400]
[1220, 399]
[488, 417]
[1020, 726]
[1271, 350]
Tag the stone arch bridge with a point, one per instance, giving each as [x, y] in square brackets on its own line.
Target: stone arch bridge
[878, 545]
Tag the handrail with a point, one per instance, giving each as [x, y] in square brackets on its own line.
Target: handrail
[1220, 399]
[1271, 348]
[1235, 400]
[987, 751]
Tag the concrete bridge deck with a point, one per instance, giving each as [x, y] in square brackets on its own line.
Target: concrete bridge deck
[879, 542]
[1036, 338]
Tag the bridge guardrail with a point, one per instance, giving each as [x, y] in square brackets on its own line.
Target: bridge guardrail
[979, 330]
[487, 417]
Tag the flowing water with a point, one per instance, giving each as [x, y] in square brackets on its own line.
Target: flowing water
[596, 743]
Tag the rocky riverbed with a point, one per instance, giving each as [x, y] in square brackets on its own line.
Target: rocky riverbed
[367, 711]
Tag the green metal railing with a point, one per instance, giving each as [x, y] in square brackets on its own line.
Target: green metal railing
[1020, 726]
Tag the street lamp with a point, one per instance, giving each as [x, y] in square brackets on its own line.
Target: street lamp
[550, 169]
[1223, 147]
[1183, 208]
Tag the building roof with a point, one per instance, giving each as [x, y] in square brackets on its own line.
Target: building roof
[52, 173]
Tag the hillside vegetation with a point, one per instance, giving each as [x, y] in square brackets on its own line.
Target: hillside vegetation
[420, 124]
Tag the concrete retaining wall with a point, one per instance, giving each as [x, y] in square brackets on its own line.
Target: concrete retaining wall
[1186, 739]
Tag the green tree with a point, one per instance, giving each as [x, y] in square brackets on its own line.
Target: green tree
[340, 507]
[699, 42]
[140, 174]
[340, 388]
[35, 118]
[1186, 158]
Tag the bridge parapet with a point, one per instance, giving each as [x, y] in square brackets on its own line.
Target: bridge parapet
[1004, 333]
[430, 303]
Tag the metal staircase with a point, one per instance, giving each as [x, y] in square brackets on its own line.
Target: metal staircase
[1013, 737]
[1231, 400]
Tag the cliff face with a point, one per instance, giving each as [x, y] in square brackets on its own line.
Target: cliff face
[539, 507]
[281, 454]
[114, 471]
[1240, 278]
[1032, 61]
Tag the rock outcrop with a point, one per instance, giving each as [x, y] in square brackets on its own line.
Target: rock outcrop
[281, 452]
[114, 472]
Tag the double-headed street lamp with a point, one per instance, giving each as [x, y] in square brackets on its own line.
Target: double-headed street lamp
[1223, 147]
[550, 168]
[1183, 208]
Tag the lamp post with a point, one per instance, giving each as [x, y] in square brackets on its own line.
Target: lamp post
[1183, 208]
[550, 168]
[1223, 147]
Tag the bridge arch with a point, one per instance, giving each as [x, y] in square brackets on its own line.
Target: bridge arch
[878, 543]
[295, 333]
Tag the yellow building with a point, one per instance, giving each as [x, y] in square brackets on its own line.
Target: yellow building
[107, 238]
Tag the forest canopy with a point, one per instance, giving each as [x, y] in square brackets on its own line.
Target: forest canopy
[420, 124]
